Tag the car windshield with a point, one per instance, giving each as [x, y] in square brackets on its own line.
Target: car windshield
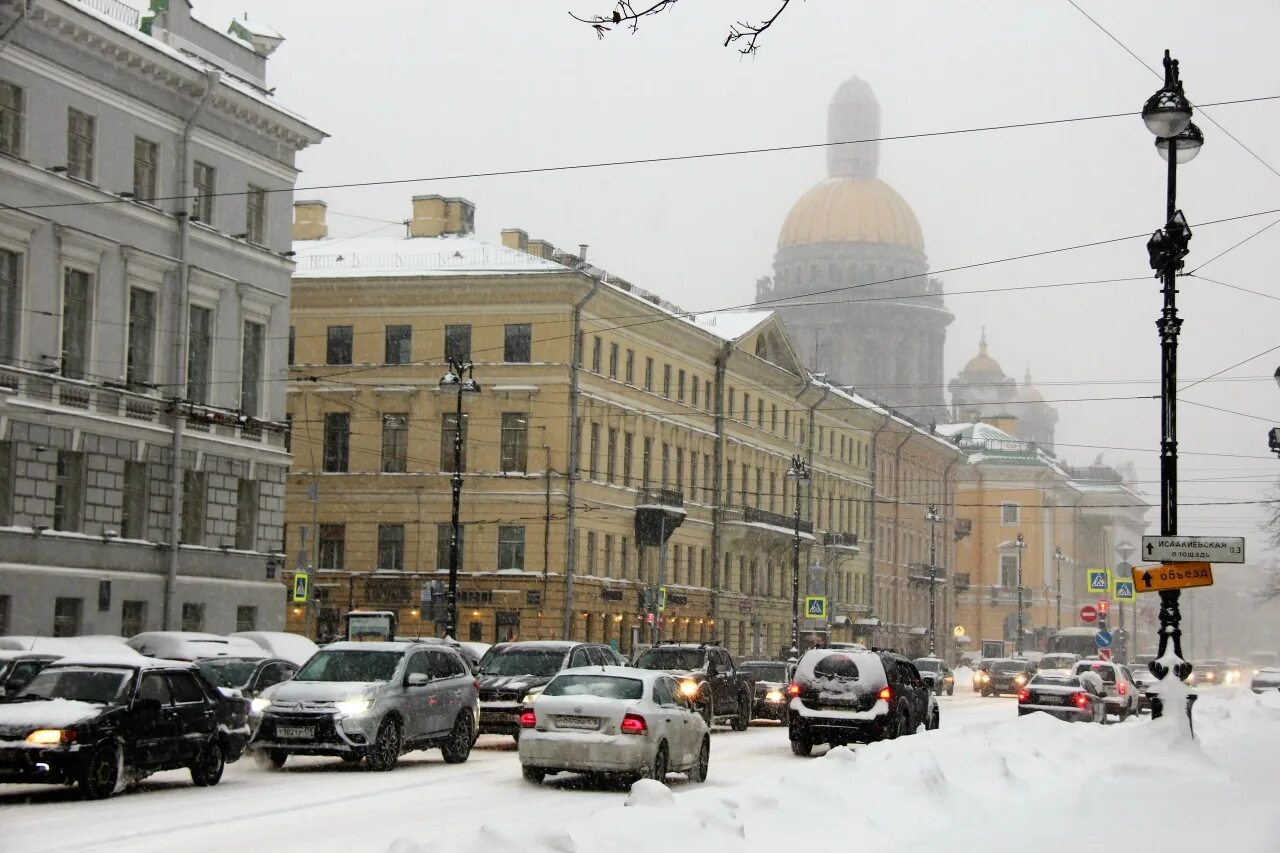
[677, 659]
[1005, 667]
[513, 661]
[103, 686]
[227, 673]
[765, 671]
[928, 665]
[606, 686]
[1057, 661]
[349, 665]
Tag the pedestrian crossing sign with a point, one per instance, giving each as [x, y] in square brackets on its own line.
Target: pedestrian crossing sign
[301, 581]
[815, 607]
[1123, 590]
[1099, 580]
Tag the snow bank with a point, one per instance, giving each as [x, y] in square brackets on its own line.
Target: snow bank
[985, 786]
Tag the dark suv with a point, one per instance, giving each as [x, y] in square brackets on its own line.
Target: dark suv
[513, 673]
[707, 675]
[842, 696]
[1008, 675]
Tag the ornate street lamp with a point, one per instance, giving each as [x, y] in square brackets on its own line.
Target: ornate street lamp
[1058, 557]
[933, 517]
[1021, 545]
[799, 473]
[454, 380]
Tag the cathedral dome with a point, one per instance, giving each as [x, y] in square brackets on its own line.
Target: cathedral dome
[851, 210]
[982, 364]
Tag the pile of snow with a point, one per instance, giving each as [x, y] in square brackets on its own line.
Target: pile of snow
[984, 786]
[964, 678]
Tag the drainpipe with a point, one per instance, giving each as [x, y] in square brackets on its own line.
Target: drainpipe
[813, 475]
[571, 512]
[871, 522]
[948, 550]
[179, 369]
[898, 482]
[717, 492]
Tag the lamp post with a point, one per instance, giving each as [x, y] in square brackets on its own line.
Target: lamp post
[1021, 545]
[799, 473]
[1058, 557]
[454, 380]
[1167, 114]
[1124, 550]
[933, 517]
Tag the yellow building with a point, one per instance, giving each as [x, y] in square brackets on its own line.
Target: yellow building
[601, 410]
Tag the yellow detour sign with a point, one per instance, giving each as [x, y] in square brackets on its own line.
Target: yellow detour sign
[1171, 576]
[300, 583]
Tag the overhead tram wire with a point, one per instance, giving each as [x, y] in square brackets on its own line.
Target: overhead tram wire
[1234, 286]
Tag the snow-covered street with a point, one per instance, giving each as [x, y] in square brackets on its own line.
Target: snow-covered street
[983, 781]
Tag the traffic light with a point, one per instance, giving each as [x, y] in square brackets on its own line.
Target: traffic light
[1104, 608]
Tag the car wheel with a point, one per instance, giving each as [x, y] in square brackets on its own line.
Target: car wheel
[209, 765]
[935, 720]
[902, 725]
[661, 764]
[456, 749]
[386, 747]
[951, 691]
[743, 719]
[101, 774]
[533, 775]
[801, 747]
[698, 772]
[271, 759]
[515, 736]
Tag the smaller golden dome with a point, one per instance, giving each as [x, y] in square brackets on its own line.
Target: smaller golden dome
[851, 210]
[983, 363]
[1027, 392]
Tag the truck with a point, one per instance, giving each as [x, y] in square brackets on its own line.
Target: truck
[370, 626]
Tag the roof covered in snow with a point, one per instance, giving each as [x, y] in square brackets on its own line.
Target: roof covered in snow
[731, 325]
[402, 257]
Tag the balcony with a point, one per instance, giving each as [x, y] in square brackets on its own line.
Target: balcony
[751, 529]
[660, 497]
[847, 542]
[960, 580]
[659, 511]
[1007, 450]
[918, 573]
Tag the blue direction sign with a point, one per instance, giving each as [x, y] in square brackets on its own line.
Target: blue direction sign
[1103, 639]
[1099, 580]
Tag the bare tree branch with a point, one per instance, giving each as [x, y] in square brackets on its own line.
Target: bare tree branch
[626, 14]
[751, 32]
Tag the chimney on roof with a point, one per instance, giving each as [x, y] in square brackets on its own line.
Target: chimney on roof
[308, 220]
[514, 238]
[582, 252]
[437, 216]
[541, 249]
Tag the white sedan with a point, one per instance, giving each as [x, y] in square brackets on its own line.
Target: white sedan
[613, 720]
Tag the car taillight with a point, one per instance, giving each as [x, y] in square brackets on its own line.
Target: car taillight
[1081, 700]
[885, 693]
[793, 689]
[633, 724]
[1024, 695]
[1120, 688]
[528, 719]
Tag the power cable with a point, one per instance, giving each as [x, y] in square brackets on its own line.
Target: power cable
[1231, 367]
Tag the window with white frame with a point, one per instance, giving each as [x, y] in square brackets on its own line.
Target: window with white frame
[10, 304]
[81, 130]
[1009, 571]
[390, 548]
[204, 178]
[251, 369]
[395, 442]
[255, 215]
[68, 491]
[146, 169]
[511, 546]
[515, 442]
[1008, 513]
[199, 353]
[12, 99]
[77, 287]
[139, 364]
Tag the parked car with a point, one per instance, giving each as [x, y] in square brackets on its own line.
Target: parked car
[614, 720]
[1145, 682]
[708, 676]
[981, 674]
[1123, 697]
[937, 675]
[841, 696]
[294, 648]
[371, 701]
[17, 668]
[193, 645]
[103, 723]
[247, 678]
[769, 699]
[1007, 675]
[511, 674]
[1266, 678]
[1062, 662]
[1072, 698]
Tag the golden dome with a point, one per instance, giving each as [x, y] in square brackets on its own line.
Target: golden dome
[983, 363]
[1028, 391]
[851, 210]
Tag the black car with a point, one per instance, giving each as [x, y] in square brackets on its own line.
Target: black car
[105, 724]
[1068, 697]
[1008, 675]
[511, 672]
[706, 674]
[841, 696]
[17, 668]
[770, 695]
[937, 675]
[249, 676]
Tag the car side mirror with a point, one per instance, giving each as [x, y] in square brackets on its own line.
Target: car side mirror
[148, 707]
[416, 679]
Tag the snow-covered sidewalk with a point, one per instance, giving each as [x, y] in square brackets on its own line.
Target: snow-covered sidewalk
[1020, 783]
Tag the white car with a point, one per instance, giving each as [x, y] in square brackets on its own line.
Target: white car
[193, 645]
[294, 648]
[613, 720]
[1123, 697]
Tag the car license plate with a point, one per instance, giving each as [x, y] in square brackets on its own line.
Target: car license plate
[1051, 700]
[295, 732]
[568, 722]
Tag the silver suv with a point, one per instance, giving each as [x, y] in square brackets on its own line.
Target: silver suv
[371, 701]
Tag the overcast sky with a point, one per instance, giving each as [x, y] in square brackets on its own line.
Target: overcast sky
[409, 89]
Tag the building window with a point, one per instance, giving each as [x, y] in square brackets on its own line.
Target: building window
[390, 548]
[133, 618]
[646, 463]
[193, 507]
[444, 535]
[6, 485]
[251, 369]
[693, 475]
[515, 442]
[76, 302]
[1009, 571]
[146, 169]
[453, 442]
[648, 374]
[337, 441]
[613, 361]
[10, 304]
[760, 413]
[457, 343]
[693, 387]
[773, 418]
[517, 343]
[399, 344]
[595, 353]
[666, 464]
[293, 344]
[205, 186]
[706, 396]
[395, 442]
[624, 558]
[192, 616]
[628, 442]
[728, 479]
[581, 351]
[593, 457]
[611, 456]
[1008, 513]
[629, 373]
[11, 118]
[608, 555]
[338, 345]
[199, 354]
[332, 551]
[133, 515]
[246, 514]
[68, 491]
[680, 386]
[746, 408]
[246, 618]
[511, 547]
[255, 214]
[591, 552]
[66, 616]
[80, 135]
[729, 412]
[666, 381]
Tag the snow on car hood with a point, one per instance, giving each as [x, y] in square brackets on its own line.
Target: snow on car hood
[517, 683]
[47, 713]
[318, 691]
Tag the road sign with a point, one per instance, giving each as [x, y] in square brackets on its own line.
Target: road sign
[301, 581]
[815, 607]
[1088, 614]
[1104, 654]
[662, 598]
[1099, 580]
[1123, 590]
[1171, 576]
[1193, 549]
[1102, 639]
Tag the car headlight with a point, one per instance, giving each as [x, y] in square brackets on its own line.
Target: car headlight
[530, 696]
[259, 704]
[774, 695]
[1019, 679]
[948, 678]
[689, 687]
[51, 737]
[354, 706]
